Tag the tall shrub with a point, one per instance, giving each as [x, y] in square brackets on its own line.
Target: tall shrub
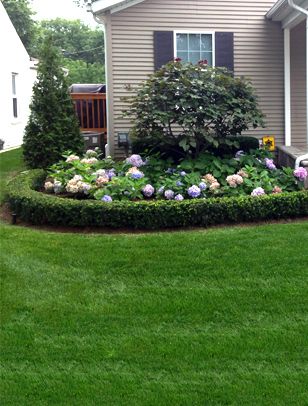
[52, 127]
[193, 107]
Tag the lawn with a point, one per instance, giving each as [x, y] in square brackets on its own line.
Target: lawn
[10, 164]
[213, 317]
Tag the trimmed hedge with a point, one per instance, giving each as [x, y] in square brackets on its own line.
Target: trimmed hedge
[40, 208]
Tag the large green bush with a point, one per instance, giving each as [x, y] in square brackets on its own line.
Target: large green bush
[39, 208]
[52, 127]
[193, 107]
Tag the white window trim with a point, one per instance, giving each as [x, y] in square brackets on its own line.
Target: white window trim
[15, 120]
[175, 32]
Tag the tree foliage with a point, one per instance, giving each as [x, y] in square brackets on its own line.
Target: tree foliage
[75, 39]
[193, 107]
[20, 14]
[52, 127]
[82, 72]
[82, 48]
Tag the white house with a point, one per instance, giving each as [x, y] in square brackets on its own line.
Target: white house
[17, 75]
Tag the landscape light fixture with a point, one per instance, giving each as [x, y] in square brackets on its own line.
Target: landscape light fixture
[123, 139]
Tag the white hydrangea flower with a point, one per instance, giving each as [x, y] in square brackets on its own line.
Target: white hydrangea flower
[72, 158]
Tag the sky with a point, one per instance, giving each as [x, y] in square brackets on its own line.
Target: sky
[49, 9]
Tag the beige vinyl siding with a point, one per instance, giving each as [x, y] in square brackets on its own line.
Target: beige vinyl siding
[258, 49]
[298, 84]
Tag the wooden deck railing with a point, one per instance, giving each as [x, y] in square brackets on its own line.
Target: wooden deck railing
[91, 111]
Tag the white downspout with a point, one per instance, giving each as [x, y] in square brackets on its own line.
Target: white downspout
[303, 11]
[287, 88]
[300, 159]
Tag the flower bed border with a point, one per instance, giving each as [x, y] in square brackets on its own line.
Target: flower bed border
[39, 208]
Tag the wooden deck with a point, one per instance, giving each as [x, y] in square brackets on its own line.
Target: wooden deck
[91, 111]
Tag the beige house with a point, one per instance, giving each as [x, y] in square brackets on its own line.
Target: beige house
[262, 40]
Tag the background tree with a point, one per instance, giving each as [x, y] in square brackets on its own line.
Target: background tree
[20, 13]
[52, 127]
[82, 48]
[75, 39]
[82, 72]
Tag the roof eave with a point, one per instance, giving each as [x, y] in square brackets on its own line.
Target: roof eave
[288, 17]
[98, 7]
[276, 9]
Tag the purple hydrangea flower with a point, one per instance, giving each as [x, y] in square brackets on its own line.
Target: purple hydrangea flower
[300, 173]
[107, 199]
[148, 190]
[194, 191]
[202, 185]
[179, 183]
[259, 191]
[183, 173]
[169, 194]
[111, 173]
[179, 198]
[135, 160]
[86, 188]
[269, 164]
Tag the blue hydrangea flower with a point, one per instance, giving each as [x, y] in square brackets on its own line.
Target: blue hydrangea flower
[179, 198]
[183, 173]
[137, 175]
[194, 191]
[179, 183]
[202, 186]
[170, 171]
[169, 194]
[107, 199]
[160, 191]
[111, 173]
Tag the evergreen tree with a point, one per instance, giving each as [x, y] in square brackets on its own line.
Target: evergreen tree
[52, 127]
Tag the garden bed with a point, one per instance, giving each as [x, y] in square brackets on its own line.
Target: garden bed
[38, 208]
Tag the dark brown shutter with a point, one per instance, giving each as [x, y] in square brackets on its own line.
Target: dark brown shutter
[224, 50]
[163, 48]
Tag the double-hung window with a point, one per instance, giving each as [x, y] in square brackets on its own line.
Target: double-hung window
[195, 46]
[14, 94]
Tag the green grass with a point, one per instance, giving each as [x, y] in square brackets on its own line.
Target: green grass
[10, 164]
[214, 317]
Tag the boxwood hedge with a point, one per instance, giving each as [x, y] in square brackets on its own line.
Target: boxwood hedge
[35, 207]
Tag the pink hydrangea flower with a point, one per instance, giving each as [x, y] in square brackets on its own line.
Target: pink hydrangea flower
[234, 180]
[300, 173]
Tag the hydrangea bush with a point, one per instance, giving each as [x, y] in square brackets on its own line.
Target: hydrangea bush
[140, 178]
